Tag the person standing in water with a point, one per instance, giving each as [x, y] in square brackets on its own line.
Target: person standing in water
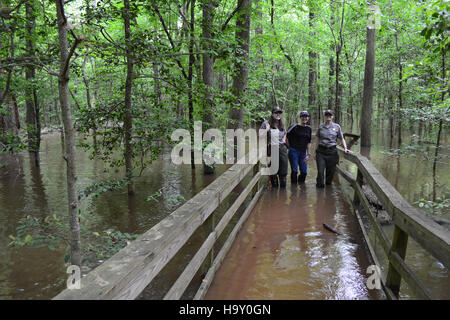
[299, 143]
[275, 126]
[326, 154]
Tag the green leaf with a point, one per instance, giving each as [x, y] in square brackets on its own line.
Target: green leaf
[66, 257]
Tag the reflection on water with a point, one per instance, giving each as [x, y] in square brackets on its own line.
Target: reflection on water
[412, 176]
[30, 273]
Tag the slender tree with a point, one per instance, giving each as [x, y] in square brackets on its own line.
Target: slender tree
[31, 98]
[312, 72]
[242, 54]
[69, 134]
[208, 60]
[366, 111]
[128, 123]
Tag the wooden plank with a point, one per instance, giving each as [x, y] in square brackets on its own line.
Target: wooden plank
[399, 246]
[416, 223]
[414, 283]
[372, 252]
[225, 248]
[180, 285]
[384, 240]
[363, 200]
[346, 175]
[397, 267]
[129, 271]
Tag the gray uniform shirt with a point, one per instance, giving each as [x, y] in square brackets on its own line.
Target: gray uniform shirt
[280, 133]
[328, 135]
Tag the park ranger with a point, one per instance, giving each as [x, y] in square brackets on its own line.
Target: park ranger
[326, 153]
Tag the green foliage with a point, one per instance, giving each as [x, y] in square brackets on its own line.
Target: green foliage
[51, 232]
[422, 151]
[11, 143]
[98, 188]
[107, 243]
[442, 204]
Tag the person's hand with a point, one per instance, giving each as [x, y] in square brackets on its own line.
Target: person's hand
[307, 158]
[346, 150]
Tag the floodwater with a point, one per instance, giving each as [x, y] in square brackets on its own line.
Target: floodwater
[412, 176]
[40, 273]
[288, 254]
[334, 266]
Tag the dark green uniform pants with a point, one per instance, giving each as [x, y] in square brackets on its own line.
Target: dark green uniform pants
[326, 159]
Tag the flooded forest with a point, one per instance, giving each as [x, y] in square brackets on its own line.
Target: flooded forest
[91, 92]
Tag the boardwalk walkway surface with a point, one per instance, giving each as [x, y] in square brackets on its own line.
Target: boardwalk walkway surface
[284, 252]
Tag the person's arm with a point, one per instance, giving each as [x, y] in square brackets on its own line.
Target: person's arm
[308, 152]
[318, 141]
[308, 147]
[343, 140]
[345, 145]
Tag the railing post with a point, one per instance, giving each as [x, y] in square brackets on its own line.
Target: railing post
[399, 245]
[255, 171]
[359, 181]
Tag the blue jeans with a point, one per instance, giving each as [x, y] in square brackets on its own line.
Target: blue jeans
[296, 159]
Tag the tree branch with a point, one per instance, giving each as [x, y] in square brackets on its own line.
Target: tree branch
[71, 52]
[232, 15]
[286, 55]
[4, 13]
[170, 38]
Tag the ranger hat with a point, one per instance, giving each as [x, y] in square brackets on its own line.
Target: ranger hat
[329, 111]
[304, 114]
[277, 110]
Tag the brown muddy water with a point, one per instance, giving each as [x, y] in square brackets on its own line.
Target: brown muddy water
[284, 252]
[411, 174]
[334, 267]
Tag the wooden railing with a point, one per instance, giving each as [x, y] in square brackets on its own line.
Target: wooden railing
[126, 274]
[408, 220]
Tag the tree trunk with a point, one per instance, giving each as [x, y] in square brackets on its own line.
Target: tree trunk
[312, 73]
[69, 150]
[31, 102]
[350, 96]
[208, 62]
[338, 98]
[128, 123]
[331, 84]
[319, 103]
[191, 78]
[366, 112]
[156, 85]
[438, 139]
[89, 100]
[242, 54]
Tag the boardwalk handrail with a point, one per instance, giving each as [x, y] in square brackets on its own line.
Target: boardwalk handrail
[408, 220]
[126, 274]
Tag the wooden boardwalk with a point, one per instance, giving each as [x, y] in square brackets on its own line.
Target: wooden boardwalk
[284, 252]
[278, 249]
